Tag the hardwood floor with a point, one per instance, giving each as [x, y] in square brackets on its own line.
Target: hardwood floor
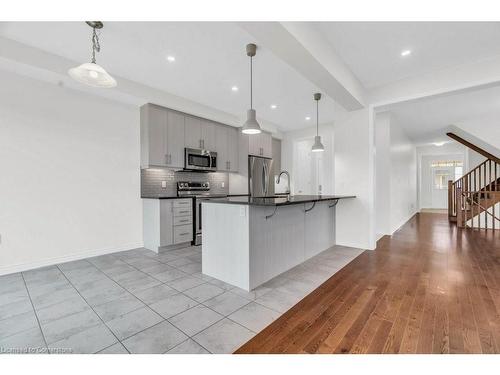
[430, 288]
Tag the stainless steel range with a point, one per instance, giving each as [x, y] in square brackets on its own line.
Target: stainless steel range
[200, 191]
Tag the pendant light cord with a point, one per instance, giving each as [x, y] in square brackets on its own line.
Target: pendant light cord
[95, 44]
[317, 117]
[251, 82]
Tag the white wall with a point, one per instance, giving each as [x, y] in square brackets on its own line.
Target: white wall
[70, 185]
[396, 175]
[403, 172]
[289, 158]
[382, 174]
[354, 175]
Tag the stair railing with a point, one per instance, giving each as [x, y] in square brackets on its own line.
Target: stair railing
[474, 193]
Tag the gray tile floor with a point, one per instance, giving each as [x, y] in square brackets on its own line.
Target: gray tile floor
[138, 301]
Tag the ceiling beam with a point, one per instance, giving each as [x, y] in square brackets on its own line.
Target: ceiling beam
[305, 49]
[456, 79]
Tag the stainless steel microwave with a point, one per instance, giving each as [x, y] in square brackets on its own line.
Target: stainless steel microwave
[200, 160]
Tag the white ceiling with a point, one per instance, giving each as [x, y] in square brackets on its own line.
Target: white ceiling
[210, 59]
[372, 49]
[426, 120]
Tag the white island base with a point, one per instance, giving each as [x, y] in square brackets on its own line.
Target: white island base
[243, 248]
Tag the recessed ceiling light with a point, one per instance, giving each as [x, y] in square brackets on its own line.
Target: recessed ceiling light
[439, 144]
[406, 52]
[308, 118]
[170, 58]
[234, 88]
[274, 106]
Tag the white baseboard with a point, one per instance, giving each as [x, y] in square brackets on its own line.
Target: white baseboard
[402, 222]
[5, 270]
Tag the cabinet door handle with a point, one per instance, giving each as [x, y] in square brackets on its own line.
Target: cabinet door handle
[184, 234]
[229, 165]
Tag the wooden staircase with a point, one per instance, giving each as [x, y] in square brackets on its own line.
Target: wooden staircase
[474, 199]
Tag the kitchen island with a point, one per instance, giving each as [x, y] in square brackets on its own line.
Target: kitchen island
[248, 241]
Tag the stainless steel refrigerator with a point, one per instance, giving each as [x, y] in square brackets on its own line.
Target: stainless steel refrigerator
[260, 177]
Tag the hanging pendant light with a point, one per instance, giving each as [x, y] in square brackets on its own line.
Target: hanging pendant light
[251, 126]
[90, 73]
[317, 146]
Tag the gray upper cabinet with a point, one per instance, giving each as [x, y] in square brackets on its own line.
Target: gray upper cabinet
[260, 145]
[162, 137]
[208, 135]
[232, 151]
[193, 132]
[200, 133]
[153, 136]
[175, 139]
[221, 148]
[165, 133]
[226, 145]
[276, 156]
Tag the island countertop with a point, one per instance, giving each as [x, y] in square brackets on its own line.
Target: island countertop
[278, 200]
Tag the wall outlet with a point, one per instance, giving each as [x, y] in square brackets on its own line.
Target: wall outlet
[164, 184]
[243, 212]
[222, 184]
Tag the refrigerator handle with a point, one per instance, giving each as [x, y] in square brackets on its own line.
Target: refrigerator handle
[266, 179]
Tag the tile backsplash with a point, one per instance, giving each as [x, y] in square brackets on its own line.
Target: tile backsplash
[152, 178]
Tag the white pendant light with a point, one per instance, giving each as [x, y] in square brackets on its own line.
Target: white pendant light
[251, 126]
[92, 74]
[317, 146]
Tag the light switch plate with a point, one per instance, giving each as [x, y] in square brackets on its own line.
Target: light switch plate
[222, 184]
[164, 184]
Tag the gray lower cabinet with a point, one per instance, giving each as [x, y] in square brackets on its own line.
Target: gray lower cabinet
[167, 223]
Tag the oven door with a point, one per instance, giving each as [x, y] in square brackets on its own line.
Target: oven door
[202, 160]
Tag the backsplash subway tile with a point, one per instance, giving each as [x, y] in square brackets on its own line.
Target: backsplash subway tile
[151, 179]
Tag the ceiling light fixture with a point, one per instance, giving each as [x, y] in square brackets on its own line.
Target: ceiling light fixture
[406, 52]
[171, 58]
[92, 74]
[234, 88]
[274, 106]
[439, 144]
[307, 118]
[251, 126]
[317, 146]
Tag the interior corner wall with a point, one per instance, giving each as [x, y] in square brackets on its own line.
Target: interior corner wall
[382, 131]
[354, 175]
[403, 179]
[395, 176]
[70, 185]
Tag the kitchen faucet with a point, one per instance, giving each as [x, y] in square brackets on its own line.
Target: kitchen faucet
[288, 180]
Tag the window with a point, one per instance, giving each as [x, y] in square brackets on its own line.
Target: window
[446, 163]
[441, 177]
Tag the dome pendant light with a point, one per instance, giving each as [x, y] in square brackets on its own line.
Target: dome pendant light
[317, 146]
[251, 126]
[92, 74]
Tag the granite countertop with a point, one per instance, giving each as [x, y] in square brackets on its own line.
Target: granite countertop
[215, 196]
[279, 200]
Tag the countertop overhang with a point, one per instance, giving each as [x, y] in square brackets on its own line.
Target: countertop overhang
[279, 200]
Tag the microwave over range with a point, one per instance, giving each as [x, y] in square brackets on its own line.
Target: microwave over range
[200, 160]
